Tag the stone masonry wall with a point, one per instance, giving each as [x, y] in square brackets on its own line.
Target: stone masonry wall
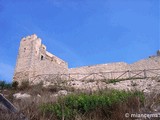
[33, 60]
[114, 70]
[35, 63]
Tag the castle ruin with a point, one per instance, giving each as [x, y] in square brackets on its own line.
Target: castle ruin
[35, 62]
[33, 59]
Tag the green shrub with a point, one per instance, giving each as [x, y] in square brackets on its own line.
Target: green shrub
[8, 86]
[15, 84]
[72, 104]
[2, 84]
[113, 80]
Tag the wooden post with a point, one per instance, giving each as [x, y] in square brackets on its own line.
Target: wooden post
[145, 73]
[129, 74]
[69, 76]
[111, 75]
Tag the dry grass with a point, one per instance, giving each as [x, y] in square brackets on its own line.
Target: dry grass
[31, 109]
[40, 95]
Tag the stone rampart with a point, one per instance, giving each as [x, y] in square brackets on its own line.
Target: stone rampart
[118, 70]
[35, 63]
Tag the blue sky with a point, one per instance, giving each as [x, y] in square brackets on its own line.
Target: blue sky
[81, 32]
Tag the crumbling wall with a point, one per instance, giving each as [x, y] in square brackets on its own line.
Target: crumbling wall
[119, 66]
[25, 58]
[117, 70]
[34, 60]
[102, 71]
[149, 63]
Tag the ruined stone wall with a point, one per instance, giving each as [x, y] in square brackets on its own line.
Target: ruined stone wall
[35, 63]
[115, 70]
[47, 63]
[149, 63]
[25, 58]
[33, 60]
[102, 71]
[119, 66]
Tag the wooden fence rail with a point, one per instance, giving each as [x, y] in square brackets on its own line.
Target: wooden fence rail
[129, 74]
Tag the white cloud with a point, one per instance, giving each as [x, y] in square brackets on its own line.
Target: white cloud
[6, 72]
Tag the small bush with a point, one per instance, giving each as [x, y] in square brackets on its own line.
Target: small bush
[113, 80]
[2, 84]
[8, 86]
[37, 89]
[24, 85]
[15, 84]
[54, 88]
[57, 87]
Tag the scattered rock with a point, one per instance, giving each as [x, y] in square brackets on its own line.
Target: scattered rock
[146, 91]
[157, 108]
[39, 95]
[145, 85]
[62, 92]
[21, 96]
[54, 96]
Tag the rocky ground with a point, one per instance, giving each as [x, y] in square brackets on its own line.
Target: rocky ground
[42, 93]
[147, 85]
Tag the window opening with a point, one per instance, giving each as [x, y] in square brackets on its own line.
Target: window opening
[24, 49]
[42, 58]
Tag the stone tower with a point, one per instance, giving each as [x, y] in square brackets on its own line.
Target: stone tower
[33, 60]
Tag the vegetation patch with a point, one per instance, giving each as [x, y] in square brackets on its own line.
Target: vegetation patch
[4, 85]
[68, 107]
